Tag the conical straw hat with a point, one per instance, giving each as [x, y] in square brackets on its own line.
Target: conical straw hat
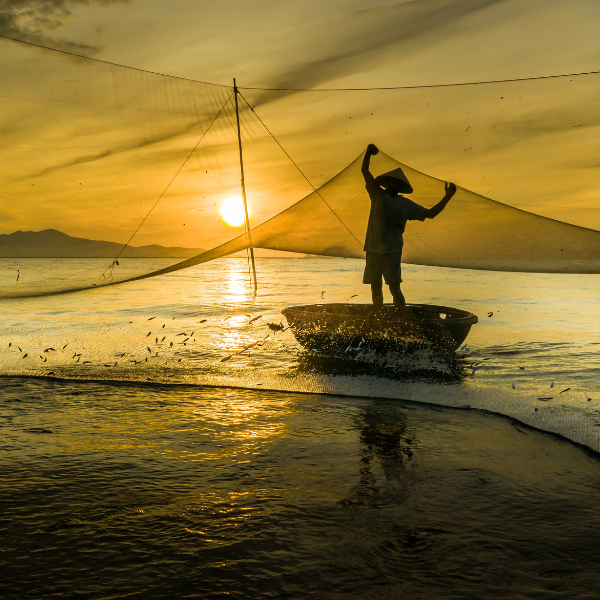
[397, 178]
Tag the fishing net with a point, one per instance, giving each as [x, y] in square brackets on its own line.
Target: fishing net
[143, 162]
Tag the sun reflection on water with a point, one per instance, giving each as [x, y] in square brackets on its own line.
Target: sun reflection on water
[236, 293]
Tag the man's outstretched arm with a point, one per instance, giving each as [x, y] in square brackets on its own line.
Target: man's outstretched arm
[372, 150]
[434, 211]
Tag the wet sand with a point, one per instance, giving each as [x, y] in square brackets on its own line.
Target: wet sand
[146, 491]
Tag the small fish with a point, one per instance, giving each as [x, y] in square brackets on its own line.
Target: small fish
[322, 294]
[45, 359]
[565, 390]
[156, 340]
[251, 320]
[186, 339]
[163, 339]
[180, 334]
[552, 384]
[19, 347]
[466, 406]
[522, 368]
[513, 386]
[122, 354]
[50, 372]
[546, 398]
[115, 365]
[9, 344]
[421, 535]
[156, 354]
[179, 360]
[146, 359]
[192, 334]
[589, 399]
[78, 358]
[274, 326]
[204, 320]
[163, 326]
[225, 359]
[490, 314]
[87, 362]
[355, 295]
[65, 345]
[49, 350]
[107, 365]
[149, 350]
[313, 370]
[41, 357]
[148, 333]
[303, 326]
[171, 345]
[150, 319]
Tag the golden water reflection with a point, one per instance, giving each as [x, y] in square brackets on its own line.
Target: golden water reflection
[237, 292]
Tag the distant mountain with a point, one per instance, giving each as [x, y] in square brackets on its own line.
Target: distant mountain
[51, 243]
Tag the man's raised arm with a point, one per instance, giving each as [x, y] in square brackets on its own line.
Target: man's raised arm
[372, 150]
[434, 211]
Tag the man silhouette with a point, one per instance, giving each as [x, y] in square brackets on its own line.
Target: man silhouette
[390, 211]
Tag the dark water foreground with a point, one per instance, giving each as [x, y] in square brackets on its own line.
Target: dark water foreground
[135, 491]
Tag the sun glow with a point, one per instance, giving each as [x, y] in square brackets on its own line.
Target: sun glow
[232, 212]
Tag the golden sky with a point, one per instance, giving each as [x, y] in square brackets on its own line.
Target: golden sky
[87, 148]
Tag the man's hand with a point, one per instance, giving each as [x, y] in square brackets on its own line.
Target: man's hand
[450, 189]
[372, 150]
[434, 211]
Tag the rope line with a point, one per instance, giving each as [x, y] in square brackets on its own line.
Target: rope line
[418, 87]
[267, 89]
[108, 62]
[301, 172]
[168, 186]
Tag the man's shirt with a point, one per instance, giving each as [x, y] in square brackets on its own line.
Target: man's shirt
[387, 220]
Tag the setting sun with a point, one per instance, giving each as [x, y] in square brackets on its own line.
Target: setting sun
[232, 211]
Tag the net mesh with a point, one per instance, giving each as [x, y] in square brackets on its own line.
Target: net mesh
[145, 161]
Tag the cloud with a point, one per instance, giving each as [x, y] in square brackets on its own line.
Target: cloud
[403, 28]
[375, 11]
[31, 20]
[128, 147]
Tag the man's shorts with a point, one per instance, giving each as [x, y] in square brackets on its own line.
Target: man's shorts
[387, 265]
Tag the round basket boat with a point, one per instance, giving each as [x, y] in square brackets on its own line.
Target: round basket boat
[351, 328]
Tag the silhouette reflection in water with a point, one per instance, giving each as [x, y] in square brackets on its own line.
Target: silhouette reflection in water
[386, 449]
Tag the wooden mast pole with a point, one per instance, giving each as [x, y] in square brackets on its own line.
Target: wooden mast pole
[249, 237]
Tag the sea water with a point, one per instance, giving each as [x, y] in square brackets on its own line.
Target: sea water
[159, 440]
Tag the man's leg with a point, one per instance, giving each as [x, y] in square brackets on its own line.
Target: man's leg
[397, 295]
[377, 293]
[374, 277]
